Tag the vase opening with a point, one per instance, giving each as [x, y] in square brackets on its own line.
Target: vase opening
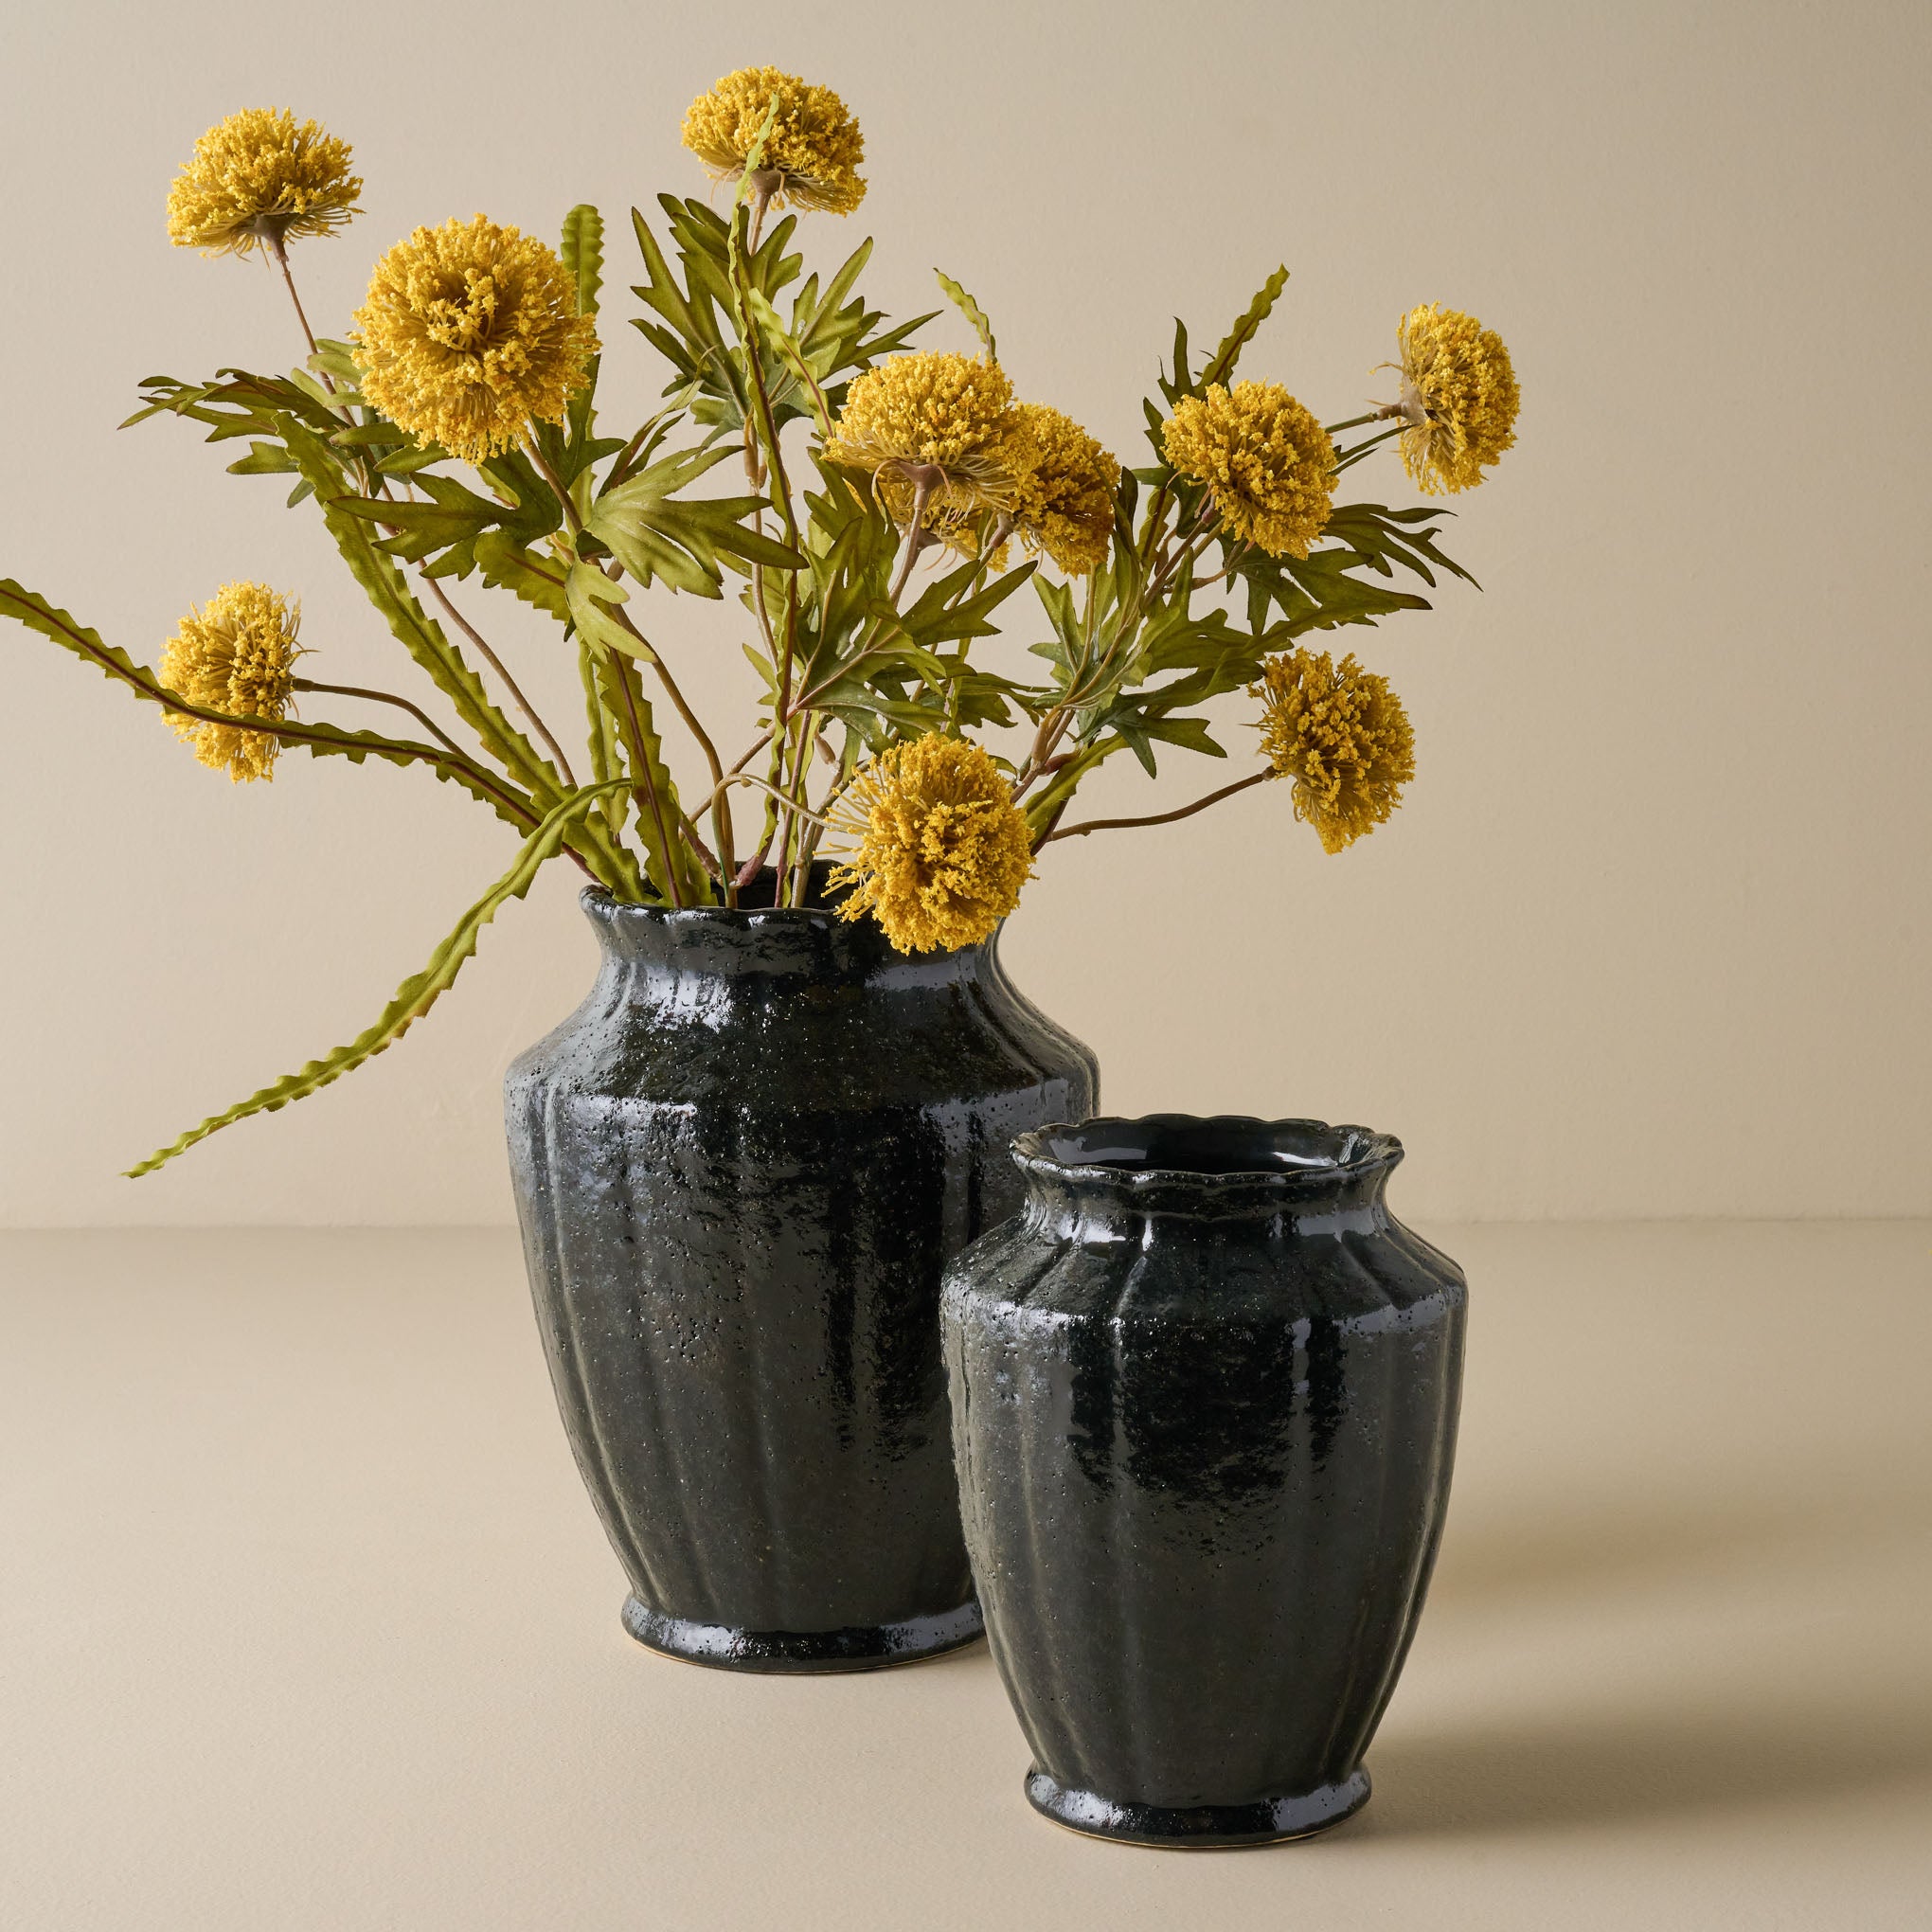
[760, 892]
[1220, 1145]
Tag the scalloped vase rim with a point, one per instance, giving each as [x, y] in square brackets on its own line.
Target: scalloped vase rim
[1151, 1150]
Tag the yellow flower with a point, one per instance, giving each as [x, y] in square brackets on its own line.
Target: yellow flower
[1458, 398]
[1342, 735]
[936, 422]
[815, 147]
[259, 179]
[471, 331]
[1063, 490]
[237, 654]
[1267, 461]
[941, 850]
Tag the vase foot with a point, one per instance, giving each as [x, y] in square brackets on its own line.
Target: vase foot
[861, 1647]
[1205, 1827]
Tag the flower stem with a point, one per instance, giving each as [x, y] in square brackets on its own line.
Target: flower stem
[416, 711]
[502, 669]
[1381, 413]
[783, 798]
[1260, 777]
[922, 495]
[1349, 459]
[281, 256]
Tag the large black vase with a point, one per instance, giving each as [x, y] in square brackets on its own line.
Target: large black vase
[1204, 1393]
[740, 1167]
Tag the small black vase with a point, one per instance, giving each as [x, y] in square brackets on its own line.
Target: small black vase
[1203, 1394]
[740, 1168]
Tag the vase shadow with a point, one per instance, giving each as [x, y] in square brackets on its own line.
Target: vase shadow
[1569, 1551]
[1818, 1685]
[1590, 1772]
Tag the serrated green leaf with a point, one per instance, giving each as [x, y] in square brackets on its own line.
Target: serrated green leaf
[419, 634]
[1221, 365]
[971, 311]
[537, 580]
[417, 995]
[321, 740]
[582, 255]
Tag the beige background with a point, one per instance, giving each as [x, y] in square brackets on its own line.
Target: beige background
[1649, 936]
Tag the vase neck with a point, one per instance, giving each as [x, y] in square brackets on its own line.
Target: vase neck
[1114, 1179]
[804, 945]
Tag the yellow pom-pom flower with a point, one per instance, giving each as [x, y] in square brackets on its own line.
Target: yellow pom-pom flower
[257, 180]
[935, 422]
[1063, 488]
[1342, 735]
[236, 655]
[1267, 463]
[941, 850]
[1458, 398]
[814, 149]
[469, 332]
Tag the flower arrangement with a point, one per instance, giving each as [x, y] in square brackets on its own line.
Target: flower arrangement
[894, 500]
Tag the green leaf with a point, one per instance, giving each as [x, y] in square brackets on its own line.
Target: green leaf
[320, 740]
[263, 459]
[418, 635]
[654, 534]
[582, 253]
[415, 995]
[621, 690]
[450, 521]
[588, 594]
[1382, 536]
[970, 310]
[507, 565]
[791, 353]
[1319, 592]
[1221, 364]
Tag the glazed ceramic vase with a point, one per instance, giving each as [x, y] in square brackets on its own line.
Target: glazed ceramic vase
[740, 1167]
[1203, 1394]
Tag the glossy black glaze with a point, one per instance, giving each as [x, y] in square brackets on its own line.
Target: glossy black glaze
[740, 1168]
[1204, 1393]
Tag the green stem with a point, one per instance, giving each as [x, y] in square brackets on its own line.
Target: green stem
[1346, 459]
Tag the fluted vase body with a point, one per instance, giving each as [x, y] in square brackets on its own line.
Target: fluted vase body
[740, 1169]
[1204, 1392]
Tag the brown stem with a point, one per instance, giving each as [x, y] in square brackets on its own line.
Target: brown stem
[706, 857]
[758, 744]
[502, 669]
[783, 798]
[416, 711]
[671, 691]
[1260, 777]
[281, 256]
[1185, 552]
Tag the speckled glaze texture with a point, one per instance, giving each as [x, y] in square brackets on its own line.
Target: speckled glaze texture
[740, 1168]
[1204, 1392]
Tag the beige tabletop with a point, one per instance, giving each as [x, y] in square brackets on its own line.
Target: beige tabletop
[306, 1623]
